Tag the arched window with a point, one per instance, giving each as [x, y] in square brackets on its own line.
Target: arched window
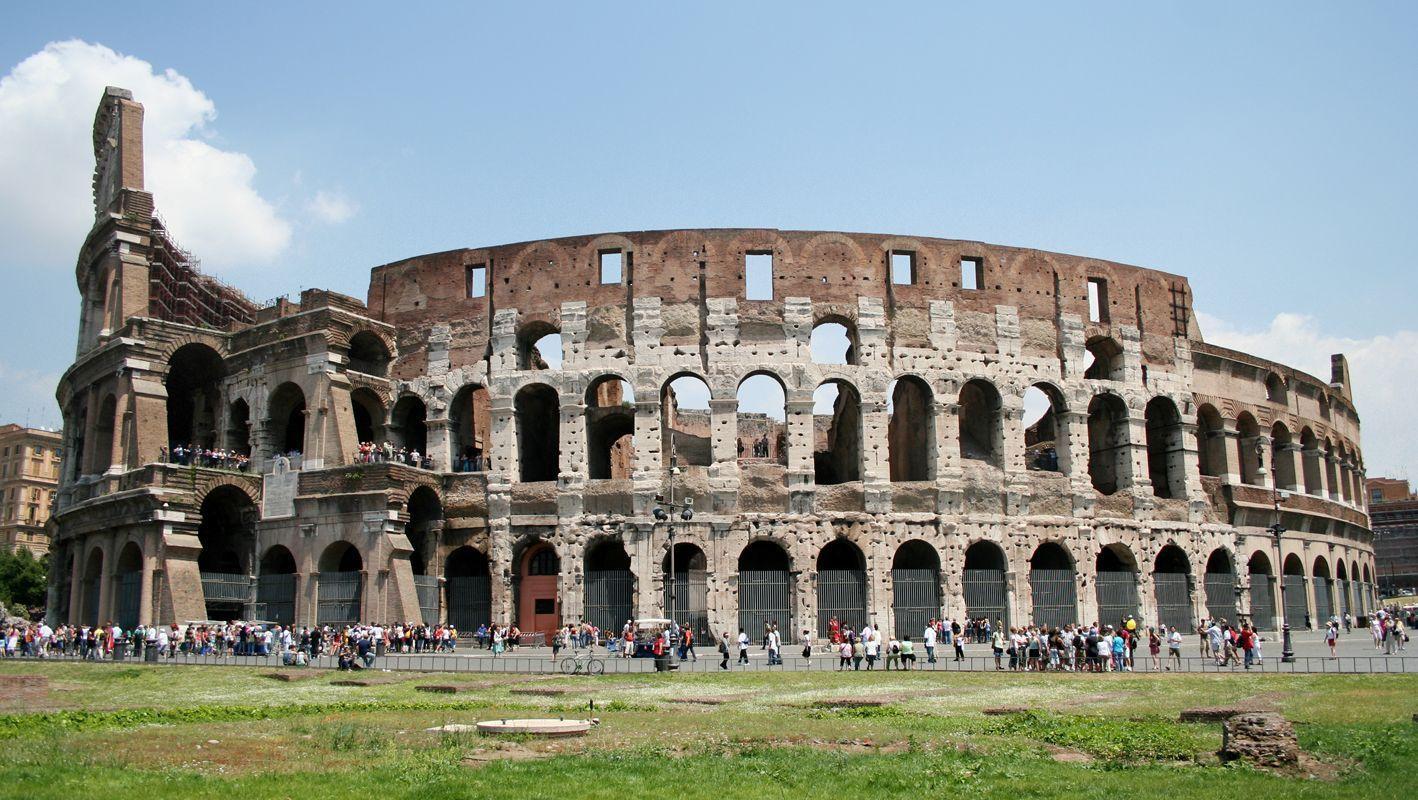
[194, 378]
[408, 426]
[841, 586]
[538, 412]
[286, 420]
[1211, 441]
[837, 433]
[238, 427]
[539, 346]
[1103, 359]
[762, 429]
[1275, 389]
[1166, 452]
[368, 416]
[1282, 457]
[1248, 456]
[981, 423]
[610, 428]
[685, 421]
[910, 434]
[369, 355]
[834, 341]
[471, 417]
[1109, 459]
[1044, 409]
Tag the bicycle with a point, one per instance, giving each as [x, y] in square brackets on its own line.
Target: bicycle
[582, 663]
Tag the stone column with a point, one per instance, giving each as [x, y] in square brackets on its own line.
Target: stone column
[572, 471]
[801, 475]
[875, 457]
[105, 583]
[440, 443]
[76, 583]
[145, 590]
[1230, 467]
[502, 448]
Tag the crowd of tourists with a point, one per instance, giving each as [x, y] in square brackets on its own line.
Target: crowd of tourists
[371, 453]
[215, 458]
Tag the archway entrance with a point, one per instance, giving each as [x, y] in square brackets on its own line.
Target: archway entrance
[538, 609]
[1324, 604]
[275, 586]
[93, 572]
[1297, 606]
[1116, 585]
[193, 382]
[1171, 586]
[1053, 586]
[469, 589]
[1220, 586]
[1342, 589]
[340, 588]
[841, 586]
[129, 589]
[985, 593]
[915, 587]
[228, 536]
[425, 525]
[690, 581]
[764, 587]
[286, 420]
[610, 429]
[610, 585]
[1262, 593]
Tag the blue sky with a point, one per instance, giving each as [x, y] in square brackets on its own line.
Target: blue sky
[1264, 150]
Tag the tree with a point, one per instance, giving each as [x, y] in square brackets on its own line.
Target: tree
[22, 580]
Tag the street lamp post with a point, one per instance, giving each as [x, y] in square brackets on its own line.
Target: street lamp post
[1287, 652]
[664, 512]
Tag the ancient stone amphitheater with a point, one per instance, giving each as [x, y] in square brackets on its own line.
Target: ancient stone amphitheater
[873, 427]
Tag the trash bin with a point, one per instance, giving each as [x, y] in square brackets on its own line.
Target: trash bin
[662, 663]
[150, 653]
[120, 650]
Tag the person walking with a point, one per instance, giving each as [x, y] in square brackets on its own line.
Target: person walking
[724, 650]
[807, 645]
[928, 641]
[844, 655]
[743, 646]
[1331, 638]
[775, 647]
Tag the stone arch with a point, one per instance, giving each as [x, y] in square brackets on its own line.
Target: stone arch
[610, 584]
[537, 408]
[105, 429]
[369, 415]
[1282, 457]
[195, 372]
[340, 586]
[762, 435]
[1053, 585]
[915, 587]
[1109, 448]
[1103, 359]
[470, 418]
[424, 525]
[910, 431]
[1310, 457]
[610, 428]
[1262, 591]
[238, 427]
[686, 420]
[1211, 441]
[1323, 590]
[1247, 437]
[986, 594]
[469, 588]
[1220, 585]
[128, 586]
[94, 565]
[686, 588]
[765, 581]
[1171, 587]
[835, 340]
[532, 341]
[227, 531]
[981, 422]
[1044, 434]
[1115, 583]
[841, 585]
[1166, 450]
[276, 585]
[285, 419]
[1275, 390]
[408, 424]
[837, 435]
[370, 354]
[1294, 583]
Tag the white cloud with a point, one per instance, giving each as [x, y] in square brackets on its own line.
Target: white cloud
[28, 398]
[206, 194]
[331, 208]
[1384, 370]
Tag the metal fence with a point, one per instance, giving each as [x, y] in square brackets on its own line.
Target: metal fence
[690, 604]
[129, 599]
[1324, 607]
[1117, 596]
[470, 602]
[915, 600]
[277, 594]
[985, 595]
[842, 593]
[1055, 596]
[1297, 607]
[763, 598]
[610, 598]
[339, 599]
[1221, 596]
[1262, 601]
[428, 590]
[1174, 599]
[225, 587]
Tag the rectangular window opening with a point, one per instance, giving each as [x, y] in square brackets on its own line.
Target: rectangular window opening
[903, 267]
[972, 273]
[1097, 300]
[758, 275]
[477, 280]
[612, 262]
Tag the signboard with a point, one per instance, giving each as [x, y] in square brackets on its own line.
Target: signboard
[278, 489]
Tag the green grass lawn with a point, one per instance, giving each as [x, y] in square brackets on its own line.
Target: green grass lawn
[154, 731]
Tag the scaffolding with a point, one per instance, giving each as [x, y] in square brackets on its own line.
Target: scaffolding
[179, 292]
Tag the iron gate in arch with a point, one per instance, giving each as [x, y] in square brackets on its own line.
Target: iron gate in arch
[339, 598]
[841, 593]
[1117, 597]
[1262, 601]
[427, 588]
[1324, 608]
[91, 601]
[1343, 588]
[986, 596]
[763, 598]
[690, 604]
[1221, 596]
[1174, 599]
[1054, 593]
[128, 599]
[1297, 607]
[469, 602]
[915, 600]
[610, 598]
[276, 593]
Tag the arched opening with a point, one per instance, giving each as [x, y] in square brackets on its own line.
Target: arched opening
[1221, 586]
[686, 590]
[93, 575]
[1210, 441]
[340, 587]
[1166, 452]
[1282, 457]
[610, 585]
[286, 420]
[1342, 590]
[834, 341]
[538, 590]
[981, 423]
[128, 589]
[1310, 457]
[538, 414]
[915, 588]
[539, 346]
[1293, 585]
[423, 529]
[1275, 389]
[194, 381]
[1262, 592]
[369, 355]
[610, 428]
[471, 417]
[1109, 457]
[368, 418]
[765, 587]
[836, 433]
[275, 586]
[1248, 456]
[841, 586]
[227, 533]
[763, 433]
[77, 422]
[1053, 586]
[1171, 586]
[986, 596]
[1366, 595]
[469, 589]
[408, 429]
[1116, 585]
[104, 431]
[1324, 599]
[1103, 360]
[1345, 489]
[910, 433]
[238, 427]
[685, 421]
[1044, 410]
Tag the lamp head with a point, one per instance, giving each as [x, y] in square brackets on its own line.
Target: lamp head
[660, 514]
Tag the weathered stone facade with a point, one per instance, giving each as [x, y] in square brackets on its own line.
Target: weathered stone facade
[1147, 485]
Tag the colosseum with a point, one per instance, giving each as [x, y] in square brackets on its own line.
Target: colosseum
[1003, 432]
